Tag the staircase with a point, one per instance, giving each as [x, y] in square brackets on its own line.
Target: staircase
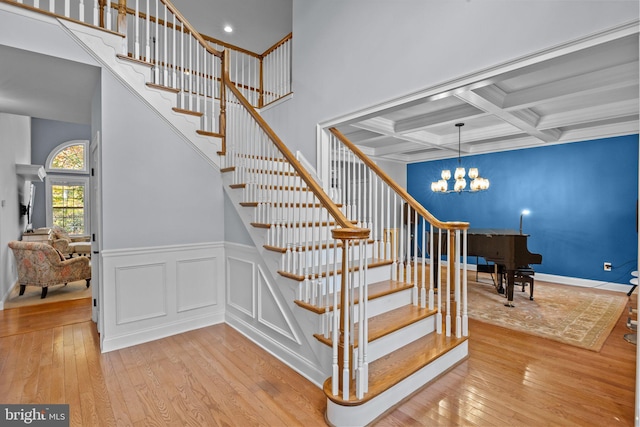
[350, 255]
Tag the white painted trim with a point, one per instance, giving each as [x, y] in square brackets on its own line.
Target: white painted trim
[127, 252]
[614, 33]
[573, 281]
[276, 103]
[360, 415]
[61, 147]
[147, 323]
[160, 331]
[70, 180]
[304, 367]
[584, 283]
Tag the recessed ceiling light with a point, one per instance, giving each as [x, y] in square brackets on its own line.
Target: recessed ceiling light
[228, 29]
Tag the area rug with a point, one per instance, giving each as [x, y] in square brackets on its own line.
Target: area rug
[572, 315]
[31, 296]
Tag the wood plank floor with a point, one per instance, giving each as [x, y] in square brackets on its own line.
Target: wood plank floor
[215, 377]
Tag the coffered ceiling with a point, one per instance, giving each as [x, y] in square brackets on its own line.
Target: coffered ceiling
[555, 97]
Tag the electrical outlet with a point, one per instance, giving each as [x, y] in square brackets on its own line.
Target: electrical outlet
[607, 266]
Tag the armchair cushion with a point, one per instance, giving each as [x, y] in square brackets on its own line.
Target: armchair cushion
[66, 244]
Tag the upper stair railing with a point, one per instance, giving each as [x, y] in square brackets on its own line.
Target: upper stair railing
[404, 232]
[155, 32]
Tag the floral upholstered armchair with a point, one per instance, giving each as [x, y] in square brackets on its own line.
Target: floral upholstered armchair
[40, 264]
[68, 245]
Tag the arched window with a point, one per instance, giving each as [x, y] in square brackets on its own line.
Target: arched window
[67, 198]
[69, 157]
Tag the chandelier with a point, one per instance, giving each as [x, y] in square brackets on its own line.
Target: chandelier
[460, 184]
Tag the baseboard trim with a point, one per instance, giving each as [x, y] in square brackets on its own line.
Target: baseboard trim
[280, 352]
[162, 331]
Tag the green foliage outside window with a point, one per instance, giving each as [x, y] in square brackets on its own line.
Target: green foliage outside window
[71, 157]
[68, 207]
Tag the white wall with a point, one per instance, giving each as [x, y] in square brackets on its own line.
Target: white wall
[352, 54]
[15, 147]
[156, 190]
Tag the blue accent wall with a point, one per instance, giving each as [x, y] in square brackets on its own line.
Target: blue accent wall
[582, 197]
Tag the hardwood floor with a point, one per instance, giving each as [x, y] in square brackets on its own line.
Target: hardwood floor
[215, 377]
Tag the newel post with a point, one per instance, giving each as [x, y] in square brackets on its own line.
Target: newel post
[345, 342]
[122, 24]
[261, 90]
[223, 102]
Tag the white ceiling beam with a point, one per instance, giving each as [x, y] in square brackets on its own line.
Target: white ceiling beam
[600, 113]
[423, 121]
[400, 147]
[524, 120]
[607, 79]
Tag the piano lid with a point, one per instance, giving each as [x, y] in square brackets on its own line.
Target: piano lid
[495, 232]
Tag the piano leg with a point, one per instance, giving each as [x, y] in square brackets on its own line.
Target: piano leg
[498, 274]
[510, 286]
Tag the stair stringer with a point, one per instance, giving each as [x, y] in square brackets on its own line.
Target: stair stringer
[104, 47]
[309, 357]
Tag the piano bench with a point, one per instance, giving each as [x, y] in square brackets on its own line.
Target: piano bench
[524, 276]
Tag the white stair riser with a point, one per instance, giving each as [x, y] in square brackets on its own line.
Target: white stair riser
[360, 415]
[260, 165]
[283, 235]
[313, 291]
[297, 259]
[253, 193]
[247, 174]
[392, 342]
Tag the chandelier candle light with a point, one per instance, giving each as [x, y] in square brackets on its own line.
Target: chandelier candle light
[460, 183]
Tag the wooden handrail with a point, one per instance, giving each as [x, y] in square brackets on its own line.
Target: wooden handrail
[449, 225]
[327, 203]
[277, 45]
[56, 15]
[188, 27]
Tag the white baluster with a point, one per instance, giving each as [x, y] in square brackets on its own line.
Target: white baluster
[136, 26]
[465, 315]
[415, 257]
[156, 40]
[423, 288]
[96, 13]
[80, 11]
[108, 16]
[165, 44]
[457, 287]
[174, 58]
[450, 257]
[439, 282]
[346, 314]
[147, 34]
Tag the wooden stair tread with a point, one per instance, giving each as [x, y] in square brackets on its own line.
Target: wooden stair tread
[164, 88]
[332, 244]
[188, 112]
[375, 290]
[132, 59]
[391, 369]
[388, 322]
[295, 224]
[207, 133]
[286, 205]
[323, 273]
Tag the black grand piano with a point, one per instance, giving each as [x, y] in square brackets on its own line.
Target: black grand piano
[507, 249]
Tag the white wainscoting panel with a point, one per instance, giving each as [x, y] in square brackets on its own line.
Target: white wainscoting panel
[271, 311]
[195, 277]
[140, 283]
[260, 304]
[241, 288]
[151, 293]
